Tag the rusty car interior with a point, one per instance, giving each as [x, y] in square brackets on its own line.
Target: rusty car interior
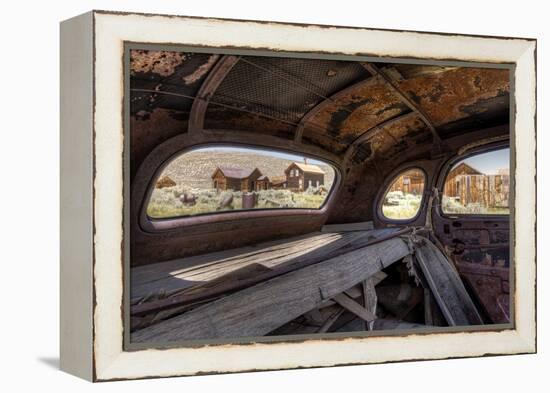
[384, 126]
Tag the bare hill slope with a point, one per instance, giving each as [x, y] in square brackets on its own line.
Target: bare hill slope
[195, 169]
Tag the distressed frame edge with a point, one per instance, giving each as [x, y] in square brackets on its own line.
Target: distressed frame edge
[76, 197]
[524, 337]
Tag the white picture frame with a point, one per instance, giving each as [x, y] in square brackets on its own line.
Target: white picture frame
[93, 194]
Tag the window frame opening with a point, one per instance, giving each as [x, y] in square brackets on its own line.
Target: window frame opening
[153, 224]
[387, 187]
[452, 163]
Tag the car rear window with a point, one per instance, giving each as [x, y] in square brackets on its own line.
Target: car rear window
[220, 179]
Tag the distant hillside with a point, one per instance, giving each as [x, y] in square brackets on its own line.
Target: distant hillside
[195, 169]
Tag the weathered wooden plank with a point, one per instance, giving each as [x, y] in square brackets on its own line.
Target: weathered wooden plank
[354, 307]
[195, 270]
[232, 280]
[356, 292]
[446, 286]
[209, 266]
[260, 309]
[186, 266]
[370, 299]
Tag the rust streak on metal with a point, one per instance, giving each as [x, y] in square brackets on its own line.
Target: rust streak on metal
[405, 98]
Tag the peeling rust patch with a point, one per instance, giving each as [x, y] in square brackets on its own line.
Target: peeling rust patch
[200, 71]
[159, 62]
[445, 95]
[359, 110]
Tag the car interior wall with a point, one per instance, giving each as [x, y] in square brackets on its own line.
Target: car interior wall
[160, 132]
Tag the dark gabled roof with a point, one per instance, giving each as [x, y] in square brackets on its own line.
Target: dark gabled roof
[236, 173]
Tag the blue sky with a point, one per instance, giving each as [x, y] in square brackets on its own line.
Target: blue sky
[489, 163]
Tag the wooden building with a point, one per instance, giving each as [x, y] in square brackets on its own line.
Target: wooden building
[301, 176]
[262, 183]
[235, 179]
[278, 182]
[469, 186]
[411, 182]
[455, 176]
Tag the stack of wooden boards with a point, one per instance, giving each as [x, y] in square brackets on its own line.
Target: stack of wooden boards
[255, 291]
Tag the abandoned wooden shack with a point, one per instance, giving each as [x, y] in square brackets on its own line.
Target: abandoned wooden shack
[301, 176]
[344, 267]
[236, 179]
[469, 186]
[262, 183]
[412, 182]
[278, 183]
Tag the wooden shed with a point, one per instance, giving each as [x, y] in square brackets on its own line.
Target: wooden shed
[262, 183]
[453, 180]
[470, 186]
[301, 176]
[236, 179]
[411, 182]
[278, 182]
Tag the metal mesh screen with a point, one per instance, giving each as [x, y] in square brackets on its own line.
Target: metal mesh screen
[284, 88]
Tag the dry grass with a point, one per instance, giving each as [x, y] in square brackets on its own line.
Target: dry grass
[452, 206]
[401, 206]
[165, 202]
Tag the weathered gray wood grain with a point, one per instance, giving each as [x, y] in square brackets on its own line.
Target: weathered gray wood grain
[259, 309]
[447, 287]
[235, 275]
[354, 307]
[370, 298]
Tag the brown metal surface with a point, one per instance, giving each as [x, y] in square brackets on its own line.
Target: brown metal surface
[373, 69]
[335, 109]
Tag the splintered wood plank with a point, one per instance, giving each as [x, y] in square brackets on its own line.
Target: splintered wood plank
[447, 287]
[236, 275]
[260, 309]
[370, 299]
[354, 307]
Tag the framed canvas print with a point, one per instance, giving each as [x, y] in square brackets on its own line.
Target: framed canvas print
[241, 195]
